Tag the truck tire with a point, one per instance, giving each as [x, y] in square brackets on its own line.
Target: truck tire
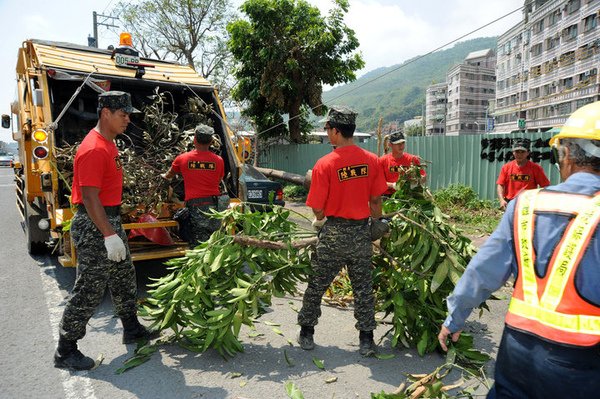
[36, 238]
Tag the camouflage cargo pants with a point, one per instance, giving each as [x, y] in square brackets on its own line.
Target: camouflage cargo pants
[202, 226]
[341, 244]
[95, 272]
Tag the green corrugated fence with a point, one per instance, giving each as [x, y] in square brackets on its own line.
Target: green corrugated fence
[472, 160]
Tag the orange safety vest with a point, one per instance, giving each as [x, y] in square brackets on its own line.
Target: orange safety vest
[550, 307]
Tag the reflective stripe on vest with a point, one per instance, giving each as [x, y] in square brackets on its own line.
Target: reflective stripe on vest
[540, 315]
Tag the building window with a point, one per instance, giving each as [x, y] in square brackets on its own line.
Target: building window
[538, 26]
[536, 49]
[552, 42]
[564, 108]
[554, 18]
[590, 22]
[573, 6]
[532, 114]
[569, 33]
[567, 83]
[548, 89]
[581, 102]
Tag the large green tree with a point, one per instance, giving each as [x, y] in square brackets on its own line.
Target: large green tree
[285, 51]
[188, 31]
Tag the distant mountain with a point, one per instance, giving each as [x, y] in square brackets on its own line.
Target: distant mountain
[400, 95]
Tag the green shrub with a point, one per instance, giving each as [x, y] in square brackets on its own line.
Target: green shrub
[455, 194]
[464, 207]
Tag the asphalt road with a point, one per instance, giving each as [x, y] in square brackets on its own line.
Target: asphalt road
[32, 297]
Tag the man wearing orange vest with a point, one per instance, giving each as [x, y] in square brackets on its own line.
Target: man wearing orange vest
[549, 240]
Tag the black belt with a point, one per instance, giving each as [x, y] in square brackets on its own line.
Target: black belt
[347, 222]
[110, 210]
[201, 201]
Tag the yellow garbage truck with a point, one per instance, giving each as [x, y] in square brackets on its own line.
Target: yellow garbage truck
[57, 89]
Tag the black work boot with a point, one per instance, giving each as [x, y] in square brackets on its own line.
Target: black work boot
[305, 338]
[367, 345]
[67, 356]
[134, 331]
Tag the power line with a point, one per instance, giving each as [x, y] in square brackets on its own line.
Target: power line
[108, 5]
[400, 67]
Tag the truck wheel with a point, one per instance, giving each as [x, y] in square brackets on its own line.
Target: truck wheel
[36, 238]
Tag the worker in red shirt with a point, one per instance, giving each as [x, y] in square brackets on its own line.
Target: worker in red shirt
[202, 172]
[519, 174]
[345, 192]
[99, 238]
[398, 161]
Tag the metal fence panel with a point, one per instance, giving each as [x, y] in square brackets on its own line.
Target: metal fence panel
[472, 160]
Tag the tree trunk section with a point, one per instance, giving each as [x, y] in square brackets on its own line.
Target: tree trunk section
[294, 122]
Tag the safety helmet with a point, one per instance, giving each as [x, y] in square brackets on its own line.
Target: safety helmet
[582, 124]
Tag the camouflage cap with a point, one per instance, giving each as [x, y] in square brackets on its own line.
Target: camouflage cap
[397, 138]
[341, 115]
[203, 133]
[521, 144]
[116, 100]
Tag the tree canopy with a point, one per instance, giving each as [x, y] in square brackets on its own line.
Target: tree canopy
[285, 51]
[188, 31]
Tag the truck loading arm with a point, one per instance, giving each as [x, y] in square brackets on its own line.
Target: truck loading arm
[54, 125]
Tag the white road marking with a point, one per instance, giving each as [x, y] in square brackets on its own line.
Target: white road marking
[76, 385]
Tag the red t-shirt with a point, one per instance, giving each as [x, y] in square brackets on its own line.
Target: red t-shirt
[343, 182]
[394, 167]
[97, 164]
[516, 179]
[202, 172]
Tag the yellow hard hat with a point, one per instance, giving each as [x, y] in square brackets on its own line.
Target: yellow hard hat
[582, 124]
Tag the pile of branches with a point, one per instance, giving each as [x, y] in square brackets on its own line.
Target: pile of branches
[166, 133]
[230, 279]
[418, 265]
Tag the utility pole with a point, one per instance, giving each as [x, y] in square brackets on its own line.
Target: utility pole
[423, 119]
[93, 41]
[379, 142]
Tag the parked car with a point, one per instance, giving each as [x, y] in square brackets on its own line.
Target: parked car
[6, 160]
[259, 189]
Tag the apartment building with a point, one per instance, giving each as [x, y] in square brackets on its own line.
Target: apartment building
[435, 109]
[471, 85]
[547, 65]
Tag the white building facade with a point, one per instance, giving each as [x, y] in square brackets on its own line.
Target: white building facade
[547, 65]
[436, 98]
[471, 85]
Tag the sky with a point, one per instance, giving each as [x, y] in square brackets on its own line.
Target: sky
[389, 31]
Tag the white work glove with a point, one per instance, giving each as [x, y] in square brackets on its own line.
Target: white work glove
[164, 176]
[115, 248]
[317, 224]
